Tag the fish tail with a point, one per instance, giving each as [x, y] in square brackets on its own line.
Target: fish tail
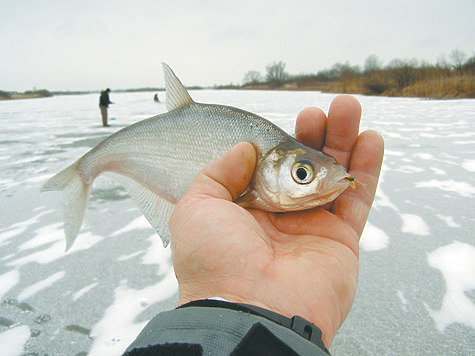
[76, 194]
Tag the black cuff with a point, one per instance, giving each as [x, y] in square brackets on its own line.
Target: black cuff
[299, 325]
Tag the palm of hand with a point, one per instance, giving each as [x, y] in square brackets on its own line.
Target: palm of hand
[267, 260]
[303, 263]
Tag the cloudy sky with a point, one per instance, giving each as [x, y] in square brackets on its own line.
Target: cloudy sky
[89, 44]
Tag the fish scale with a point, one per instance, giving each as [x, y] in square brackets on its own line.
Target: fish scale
[158, 158]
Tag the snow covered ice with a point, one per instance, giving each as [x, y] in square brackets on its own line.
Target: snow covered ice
[416, 291]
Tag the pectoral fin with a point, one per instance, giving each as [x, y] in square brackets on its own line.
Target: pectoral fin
[247, 199]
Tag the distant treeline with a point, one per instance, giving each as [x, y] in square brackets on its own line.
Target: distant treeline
[43, 93]
[448, 78]
[452, 78]
[35, 93]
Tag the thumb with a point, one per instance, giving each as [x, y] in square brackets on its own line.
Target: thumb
[228, 176]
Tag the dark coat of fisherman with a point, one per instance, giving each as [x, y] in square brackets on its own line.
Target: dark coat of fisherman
[104, 102]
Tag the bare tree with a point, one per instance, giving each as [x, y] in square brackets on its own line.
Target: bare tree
[372, 64]
[252, 77]
[403, 71]
[457, 57]
[442, 62]
[276, 74]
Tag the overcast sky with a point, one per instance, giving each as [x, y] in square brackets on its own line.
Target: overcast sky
[90, 45]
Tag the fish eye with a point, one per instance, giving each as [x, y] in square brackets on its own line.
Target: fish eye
[302, 172]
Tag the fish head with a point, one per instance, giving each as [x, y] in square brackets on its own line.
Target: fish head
[293, 177]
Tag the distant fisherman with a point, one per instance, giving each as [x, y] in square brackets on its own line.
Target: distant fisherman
[104, 102]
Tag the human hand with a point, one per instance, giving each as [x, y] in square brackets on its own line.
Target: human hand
[297, 263]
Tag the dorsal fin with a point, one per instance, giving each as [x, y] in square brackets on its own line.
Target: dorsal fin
[177, 96]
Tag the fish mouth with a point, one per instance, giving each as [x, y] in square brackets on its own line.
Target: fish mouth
[337, 187]
[333, 193]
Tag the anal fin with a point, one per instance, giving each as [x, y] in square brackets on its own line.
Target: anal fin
[155, 208]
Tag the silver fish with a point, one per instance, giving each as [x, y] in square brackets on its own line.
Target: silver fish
[158, 158]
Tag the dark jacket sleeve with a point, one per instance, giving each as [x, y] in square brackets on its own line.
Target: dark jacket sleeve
[211, 327]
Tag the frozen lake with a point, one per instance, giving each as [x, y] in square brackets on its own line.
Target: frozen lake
[416, 292]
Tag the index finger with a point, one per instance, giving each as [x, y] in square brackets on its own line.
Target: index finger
[342, 128]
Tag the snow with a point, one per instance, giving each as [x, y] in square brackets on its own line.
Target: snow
[456, 262]
[449, 220]
[10, 233]
[13, 340]
[373, 238]
[39, 286]
[463, 188]
[118, 327]
[137, 223]
[414, 224]
[417, 249]
[438, 171]
[8, 281]
[44, 235]
[84, 290]
[469, 164]
[55, 250]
